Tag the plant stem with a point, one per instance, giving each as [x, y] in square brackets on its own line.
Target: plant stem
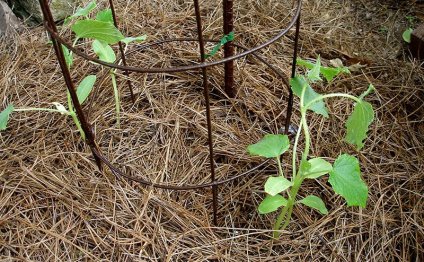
[37, 109]
[117, 101]
[330, 96]
[280, 168]
[78, 124]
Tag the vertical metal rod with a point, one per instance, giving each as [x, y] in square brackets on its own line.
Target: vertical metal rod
[228, 47]
[121, 49]
[208, 109]
[293, 74]
[49, 21]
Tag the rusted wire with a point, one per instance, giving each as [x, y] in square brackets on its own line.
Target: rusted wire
[228, 59]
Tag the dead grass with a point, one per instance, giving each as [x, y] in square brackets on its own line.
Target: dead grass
[55, 206]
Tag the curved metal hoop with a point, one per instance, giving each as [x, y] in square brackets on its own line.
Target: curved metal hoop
[203, 65]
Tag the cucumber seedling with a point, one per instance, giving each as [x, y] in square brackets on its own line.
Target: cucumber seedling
[344, 175]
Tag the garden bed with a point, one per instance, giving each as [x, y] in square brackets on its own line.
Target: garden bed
[54, 205]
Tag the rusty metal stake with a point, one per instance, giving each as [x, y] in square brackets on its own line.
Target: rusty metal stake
[208, 108]
[49, 22]
[121, 49]
[293, 74]
[229, 48]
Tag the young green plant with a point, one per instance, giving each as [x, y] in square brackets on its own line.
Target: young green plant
[104, 34]
[83, 91]
[344, 175]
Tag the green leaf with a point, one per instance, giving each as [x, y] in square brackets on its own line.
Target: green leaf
[316, 203]
[407, 35]
[319, 167]
[225, 39]
[85, 87]
[82, 11]
[93, 29]
[104, 51]
[298, 83]
[313, 74]
[105, 16]
[5, 115]
[271, 204]
[275, 185]
[358, 123]
[69, 58]
[328, 72]
[128, 40]
[346, 181]
[270, 146]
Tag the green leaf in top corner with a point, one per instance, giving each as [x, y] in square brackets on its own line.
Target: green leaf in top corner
[358, 123]
[276, 185]
[105, 16]
[271, 204]
[128, 40]
[82, 11]
[104, 51]
[316, 203]
[328, 72]
[313, 74]
[270, 146]
[407, 35]
[298, 83]
[5, 115]
[85, 87]
[318, 167]
[99, 30]
[346, 181]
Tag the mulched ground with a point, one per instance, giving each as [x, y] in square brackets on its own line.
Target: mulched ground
[56, 206]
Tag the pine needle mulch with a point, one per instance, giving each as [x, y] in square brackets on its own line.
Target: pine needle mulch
[56, 206]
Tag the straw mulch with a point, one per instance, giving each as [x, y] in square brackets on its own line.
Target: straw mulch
[56, 206]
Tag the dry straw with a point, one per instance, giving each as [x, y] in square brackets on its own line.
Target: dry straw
[54, 206]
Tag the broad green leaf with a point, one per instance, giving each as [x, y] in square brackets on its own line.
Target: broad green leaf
[270, 146]
[105, 16]
[271, 204]
[128, 40]
[5, 115]
[93, 29]
[276, 185]
[104, 51]
[316, 203]
[225, 39]
[407, 35]
[346, 181]
[61, 108]
[85, 87]
[319, 167]
[68, 56]
[298, 83]
[82, 11]
[313, 74]
[358, 123]
[328, 72]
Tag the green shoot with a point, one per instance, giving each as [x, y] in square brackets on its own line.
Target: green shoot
[344, 174]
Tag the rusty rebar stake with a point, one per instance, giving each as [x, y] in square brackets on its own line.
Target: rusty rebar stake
[121, 50]
[208, 108]
[229, 48]
[86, 127]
